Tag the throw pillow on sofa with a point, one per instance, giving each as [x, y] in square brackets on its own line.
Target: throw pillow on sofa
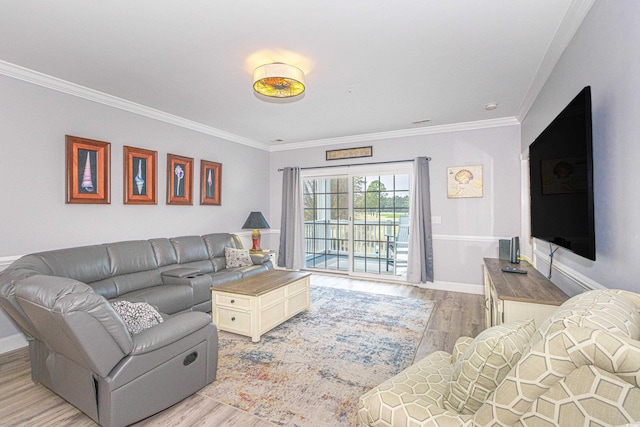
[137, 316]
[485, 363]
[237, 257]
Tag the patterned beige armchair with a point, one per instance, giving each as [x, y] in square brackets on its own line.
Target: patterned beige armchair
[580, 368]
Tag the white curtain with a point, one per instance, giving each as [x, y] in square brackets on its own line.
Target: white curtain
[291, 252]
[420, 262]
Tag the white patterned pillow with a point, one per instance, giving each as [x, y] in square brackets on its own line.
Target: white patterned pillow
[137, 316]
[237, 257]
[485, 363]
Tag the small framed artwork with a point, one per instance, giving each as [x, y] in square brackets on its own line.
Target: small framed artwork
[140, 176]
[464, 181]
[349, 153]
[210, 183]
[179, 180]
[88, 165]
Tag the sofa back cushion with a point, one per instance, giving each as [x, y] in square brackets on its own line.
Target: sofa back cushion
[485, 363]
[116, 286]
[131, 257]
[189, 249]
[164, 252]
[75, 322]
[216, 244]
[84, 264]
[612, 310]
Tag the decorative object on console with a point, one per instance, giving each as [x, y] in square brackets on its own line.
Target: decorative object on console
[88, 165]
[464, 181]
[237, 257]
[179, 180]
[349, 153]
[210, 183]
[140, 176]
[255, 221]
[278, 80]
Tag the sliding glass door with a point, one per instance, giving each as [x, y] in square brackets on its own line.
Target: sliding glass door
[380, 209]
[326, 223]
[357, 223]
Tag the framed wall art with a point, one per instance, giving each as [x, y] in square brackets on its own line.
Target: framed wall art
[179, 180]
[140, 176]
[464, 181]
[349, 153]
[87, 171]
[210, 183]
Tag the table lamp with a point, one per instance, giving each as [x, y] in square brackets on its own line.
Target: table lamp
[255, 221]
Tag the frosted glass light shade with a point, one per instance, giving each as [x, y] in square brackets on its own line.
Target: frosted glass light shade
[278, 80]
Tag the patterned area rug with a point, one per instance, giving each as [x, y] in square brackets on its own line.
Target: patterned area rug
[311, 370]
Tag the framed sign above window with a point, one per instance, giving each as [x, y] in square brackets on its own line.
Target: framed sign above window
[350, 153]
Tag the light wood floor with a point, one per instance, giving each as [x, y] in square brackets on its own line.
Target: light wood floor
[24, 403]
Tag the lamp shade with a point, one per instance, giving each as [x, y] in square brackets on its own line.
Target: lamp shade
[255, 220]
[278, 80]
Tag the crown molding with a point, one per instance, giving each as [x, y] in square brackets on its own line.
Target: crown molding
[63, 86]
[576, 12]
[34, 77]
[454, 127]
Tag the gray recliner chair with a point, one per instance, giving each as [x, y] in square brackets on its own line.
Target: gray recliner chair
[96, 365]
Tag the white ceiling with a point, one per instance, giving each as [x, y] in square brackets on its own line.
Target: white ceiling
[372, 66]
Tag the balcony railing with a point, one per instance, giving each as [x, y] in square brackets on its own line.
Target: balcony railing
[371, 242]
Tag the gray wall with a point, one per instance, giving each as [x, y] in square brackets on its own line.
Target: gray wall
[470, 227]
[34, 216]
[604, 55]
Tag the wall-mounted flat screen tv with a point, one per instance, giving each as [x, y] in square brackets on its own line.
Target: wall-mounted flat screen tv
[561, 179]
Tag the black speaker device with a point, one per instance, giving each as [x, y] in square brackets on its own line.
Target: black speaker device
[515, 250]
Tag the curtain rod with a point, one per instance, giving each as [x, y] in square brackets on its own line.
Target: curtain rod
[356, 164]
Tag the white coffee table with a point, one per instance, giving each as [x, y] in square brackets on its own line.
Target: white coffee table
[256, 304]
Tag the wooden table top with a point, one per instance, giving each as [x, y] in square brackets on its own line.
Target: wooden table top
[532, 287]
[261, 283]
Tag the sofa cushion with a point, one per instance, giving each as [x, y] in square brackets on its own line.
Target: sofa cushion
[189, 248]
[131, 257]
[137, 316]
[237, 257]
[611, 309]
[164, 252]
[216, 243]
[85, 264]
[169, 299]
[485, 363]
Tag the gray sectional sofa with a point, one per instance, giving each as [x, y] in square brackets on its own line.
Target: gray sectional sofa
[80, 347]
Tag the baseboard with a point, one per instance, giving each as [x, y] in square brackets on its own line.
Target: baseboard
[12, 342]
[466, 288]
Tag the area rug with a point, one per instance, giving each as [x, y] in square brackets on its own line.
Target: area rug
[311, 370]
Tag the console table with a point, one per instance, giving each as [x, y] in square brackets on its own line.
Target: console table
[513, 296]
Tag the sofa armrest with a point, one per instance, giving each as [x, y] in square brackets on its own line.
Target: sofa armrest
[180, 272]
[169, 331]
[413, 397]
[259, 259]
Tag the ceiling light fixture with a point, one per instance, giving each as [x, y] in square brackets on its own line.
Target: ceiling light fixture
[278, 80]
[491, 106]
